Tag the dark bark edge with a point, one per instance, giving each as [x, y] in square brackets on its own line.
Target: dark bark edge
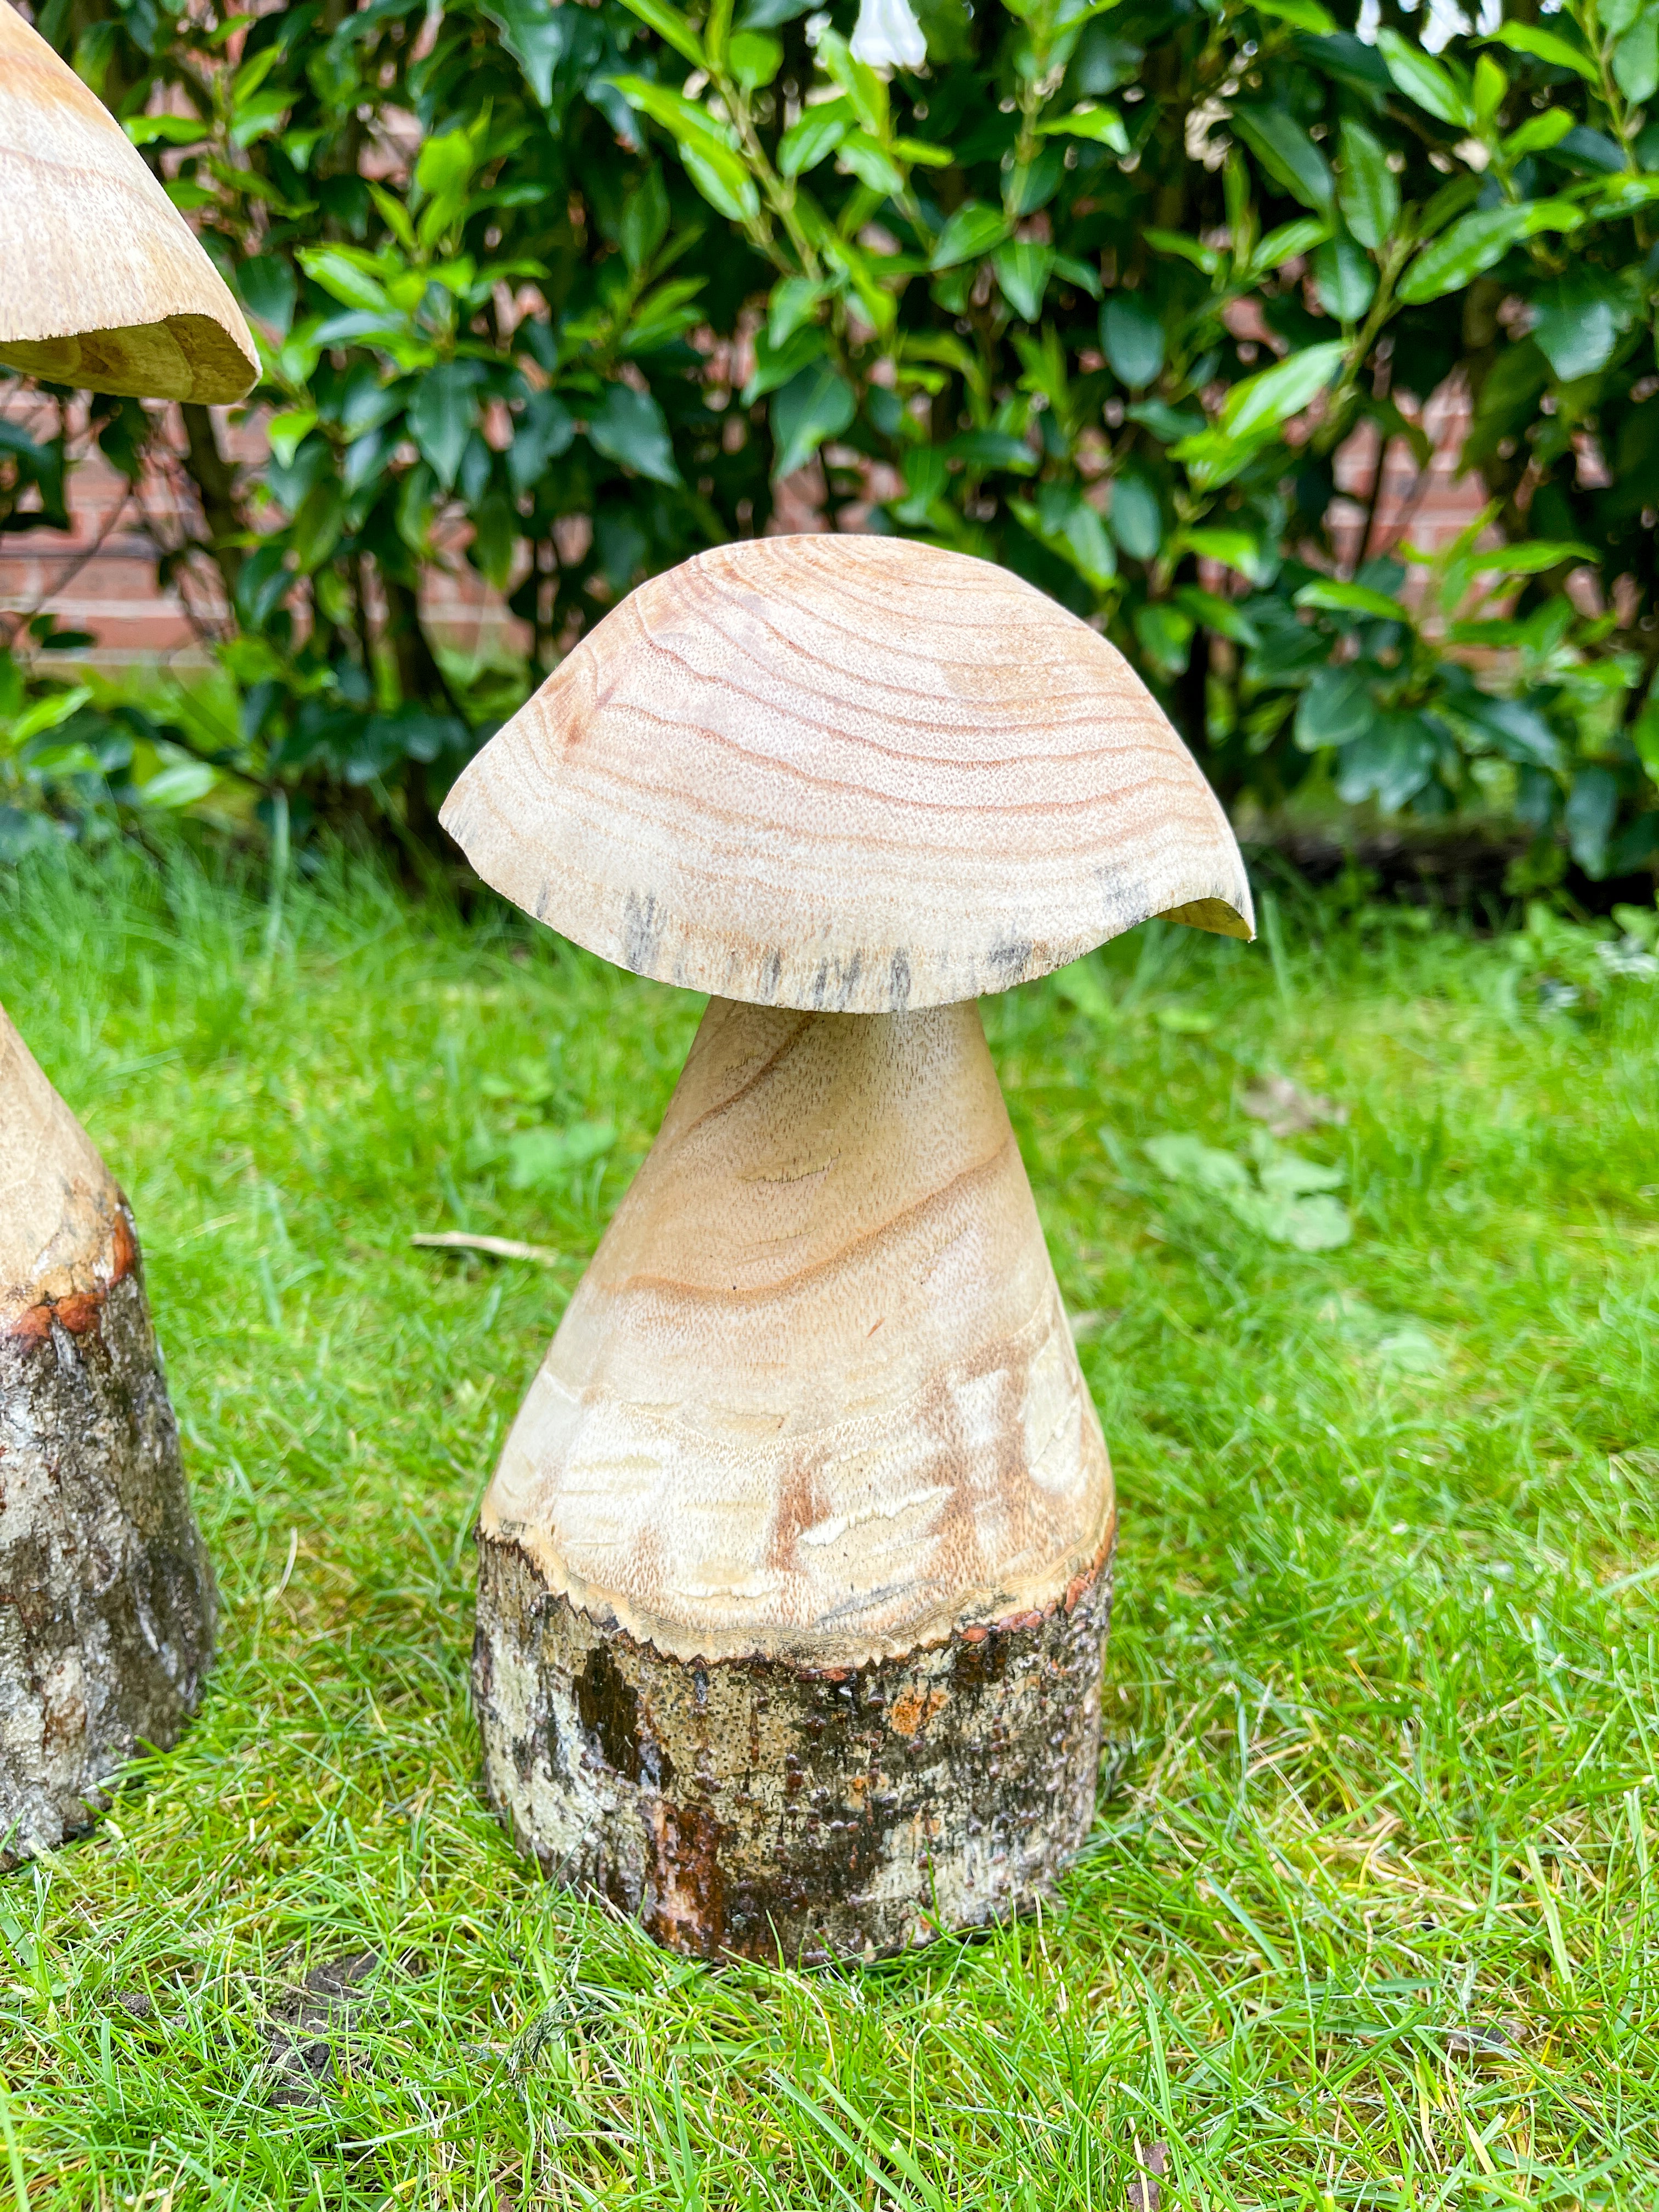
[754, 1808]
[107, 1602]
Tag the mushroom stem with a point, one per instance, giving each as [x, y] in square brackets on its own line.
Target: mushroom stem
[107, 1622]
[794, 1574]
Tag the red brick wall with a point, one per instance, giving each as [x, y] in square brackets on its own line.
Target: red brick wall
[101, 577]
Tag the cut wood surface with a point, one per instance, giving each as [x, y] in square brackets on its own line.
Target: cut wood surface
[846, 773]
[102, 283]
[815, 1400]
[60, 1207]
[106, 1598]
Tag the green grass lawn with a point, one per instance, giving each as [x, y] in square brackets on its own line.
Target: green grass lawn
[1368, 1914]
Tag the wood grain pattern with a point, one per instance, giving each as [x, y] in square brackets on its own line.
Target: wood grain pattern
[106, 1597]
[60, 1210]
[815, 1400]
[846, 773]
[102, 284]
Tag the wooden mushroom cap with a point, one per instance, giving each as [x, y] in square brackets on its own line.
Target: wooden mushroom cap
[848, 773]
[102, 283]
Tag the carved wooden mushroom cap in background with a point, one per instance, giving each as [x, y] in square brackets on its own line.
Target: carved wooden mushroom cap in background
[794, 1574]
[102, 284]
[852, 775]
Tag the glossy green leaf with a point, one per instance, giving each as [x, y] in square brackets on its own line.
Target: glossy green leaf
[1547, 45]
[1083, 274]
[1103, 126]
[1334, 596]
[1366, 190]
[1232, 549]
[180, 783]
[1132, 339]
[1422, 79]
[1390, 762]
[1300, 15]
[1476, 242]
[670, 25]
[1344, 279]
[816, 404]
[1287, 153]
[1591, 810]
[1273, 396]
[537, 33]
[1165, 634]
[1032, 185]
[974, 229]
[864, 87]
[1023, 272]
[870, 163]
[992, 449]
[343, 275]
[644, 220]
[1539, 133]
[441, 415]
[1576, 335]
[1209, 259]
[1288, 243]
[1209, 611]
[795, 300]
[167, 129]
[724, 182]
[814, 137]
[1067, 525]
[1491, 89]
[1513, 728]
[927, 474]
[687, 123]
[776, 365]
[1636, 60]
[754, 58]
[288, 431]
[1530, 558]
[1335, 709]
[924, 153]
[546, 430]
[628, 427]
[1136, 515]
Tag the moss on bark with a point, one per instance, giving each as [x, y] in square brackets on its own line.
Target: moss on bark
[754, 1808]
[106, 1597]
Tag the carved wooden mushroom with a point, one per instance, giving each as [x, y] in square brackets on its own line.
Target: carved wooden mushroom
[106, 1597]
[795, 1572]
[102, 284]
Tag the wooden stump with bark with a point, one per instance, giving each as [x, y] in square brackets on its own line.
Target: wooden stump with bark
[106, 1599]
[795, 1571]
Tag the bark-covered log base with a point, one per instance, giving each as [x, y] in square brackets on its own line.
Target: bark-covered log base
[106, 1598]
[752, 1807]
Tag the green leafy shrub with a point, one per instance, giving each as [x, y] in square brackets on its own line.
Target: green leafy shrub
[1098, 292]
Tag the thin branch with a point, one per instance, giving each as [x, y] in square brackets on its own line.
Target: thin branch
[500, 1248]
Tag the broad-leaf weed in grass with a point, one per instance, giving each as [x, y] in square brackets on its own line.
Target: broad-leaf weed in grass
[1366, 1918]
